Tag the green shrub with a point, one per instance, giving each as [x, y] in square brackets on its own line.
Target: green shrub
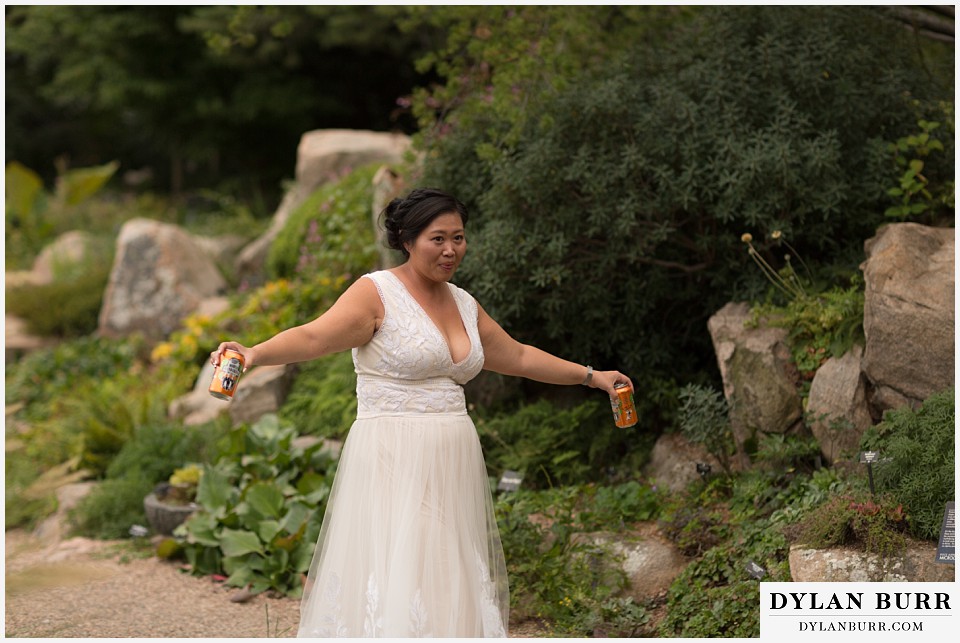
[917, 460]
[704, 421]
[874, 524]
[152, 454]
[46, 375]
[554, 576]
[34, 217]
[68, 307]
[112, 508]
[715, 595]
[274, 307]
[330, 232]
[323, 399]
[608, 231]
[925, 189]
[556, 446]
[261, 506]
[21, 510]
[694, 529]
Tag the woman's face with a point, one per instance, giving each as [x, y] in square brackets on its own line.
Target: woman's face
[437, 252]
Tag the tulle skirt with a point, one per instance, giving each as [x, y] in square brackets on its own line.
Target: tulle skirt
[409, 545]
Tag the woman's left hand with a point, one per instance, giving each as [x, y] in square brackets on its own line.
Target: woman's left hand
[606, 380]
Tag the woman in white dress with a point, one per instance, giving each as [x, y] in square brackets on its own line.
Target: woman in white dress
[409, 545]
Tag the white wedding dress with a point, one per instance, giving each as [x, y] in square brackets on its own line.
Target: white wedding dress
[409, 544]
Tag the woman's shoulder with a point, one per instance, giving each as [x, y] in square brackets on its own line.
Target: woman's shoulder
[461, 294]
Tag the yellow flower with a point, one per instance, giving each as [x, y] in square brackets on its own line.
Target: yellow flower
[775, 234]
[746, 237]
[161, 351]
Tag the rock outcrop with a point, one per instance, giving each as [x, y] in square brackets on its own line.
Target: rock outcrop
[837, 406]
[844, 564]
[908, 317]
[261, 390]
[323, 156]
[759, 380]
[650, 563]
[673, 462]
[159, 276]
[69, 249]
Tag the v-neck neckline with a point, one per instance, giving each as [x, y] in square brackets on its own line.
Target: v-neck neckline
[436, 328]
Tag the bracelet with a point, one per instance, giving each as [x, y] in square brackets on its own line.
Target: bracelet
[589, 377]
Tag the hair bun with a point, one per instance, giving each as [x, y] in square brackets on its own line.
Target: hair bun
[392, 221]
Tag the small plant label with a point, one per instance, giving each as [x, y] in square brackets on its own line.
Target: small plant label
[755, 570]
[946, 548]
[510, 481]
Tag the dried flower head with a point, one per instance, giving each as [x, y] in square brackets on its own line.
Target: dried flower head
[775, 234]
[746, 237]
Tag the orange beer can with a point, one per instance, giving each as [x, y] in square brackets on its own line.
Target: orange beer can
[227, 375]
[624, 410]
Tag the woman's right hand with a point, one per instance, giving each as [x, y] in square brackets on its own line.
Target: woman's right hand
[233, 346]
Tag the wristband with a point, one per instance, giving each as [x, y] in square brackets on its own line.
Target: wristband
[589, 377]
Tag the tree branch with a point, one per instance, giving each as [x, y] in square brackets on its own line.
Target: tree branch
[924, 21]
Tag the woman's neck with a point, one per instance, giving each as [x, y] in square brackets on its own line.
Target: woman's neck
[423, 286]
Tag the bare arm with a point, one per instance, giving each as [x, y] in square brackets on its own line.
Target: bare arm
[350, 322]
[503, 354]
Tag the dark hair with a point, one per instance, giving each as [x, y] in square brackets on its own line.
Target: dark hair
[404, 219]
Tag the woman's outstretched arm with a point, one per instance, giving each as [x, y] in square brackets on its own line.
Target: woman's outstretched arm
[503, 354]
[350, 322]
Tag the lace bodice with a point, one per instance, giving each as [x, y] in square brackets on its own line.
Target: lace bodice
[407, 367]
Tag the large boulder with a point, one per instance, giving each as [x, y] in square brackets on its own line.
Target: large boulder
[159, 276]
[908, 316]
[838, 406]
[845, 564]
[198, 406]
[650, 562]
[387, 185]
[323, 156]
[759, 378]
[261, 390]
[66, 251]
[673, 462]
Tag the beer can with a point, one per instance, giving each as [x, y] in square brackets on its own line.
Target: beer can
[624, 410]
[227, 375]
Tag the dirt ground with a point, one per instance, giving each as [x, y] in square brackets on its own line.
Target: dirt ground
[81, 588]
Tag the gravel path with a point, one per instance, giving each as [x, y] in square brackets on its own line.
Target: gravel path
[94, 589]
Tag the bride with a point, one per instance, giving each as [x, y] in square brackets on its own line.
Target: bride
[409, 545]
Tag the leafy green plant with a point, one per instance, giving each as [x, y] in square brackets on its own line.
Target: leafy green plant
[917, 465]
[704, 420]
[151, 455]
[32, 213]
[67, 307]
[821, 323]
[617, 241]
[261, 506]
[553, 575]
[323, 399]
[715, 596]
[275, 306]
[696, 518]
[331, 232]
[614, 507]
[48, 374]
[915, 195]
[560, 446]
